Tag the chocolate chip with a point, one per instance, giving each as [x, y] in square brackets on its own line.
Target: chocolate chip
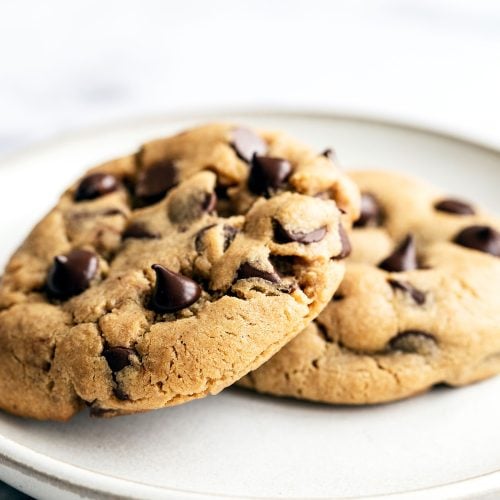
[482, 238]
[120, 394]
[346, 244]
[329, 153]
[282, 235]
[268, 174]
[246, 144]
[155, 181]
[70, 274]
[404, 257]
[209, 203]
[96, 185]
[417, 295]
[117, 357]
[138, 231]
[454, 206]
[173, 291]
[414, 341]
[248, 270]
[221, 192]
[338, 297]
[371, 213]
[230, 233]
[284, 264]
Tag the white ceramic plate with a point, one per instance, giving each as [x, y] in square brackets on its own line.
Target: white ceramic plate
[445, 444]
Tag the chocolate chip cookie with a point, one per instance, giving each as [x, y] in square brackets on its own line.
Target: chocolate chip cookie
[166, 275]
[419, 305]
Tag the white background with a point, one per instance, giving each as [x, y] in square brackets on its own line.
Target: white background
[72, 64]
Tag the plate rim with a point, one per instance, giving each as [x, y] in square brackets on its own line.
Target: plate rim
[22, 459]
[204, 112]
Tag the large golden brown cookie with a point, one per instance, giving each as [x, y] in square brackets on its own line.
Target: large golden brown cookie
[167, 275]
[419, 305]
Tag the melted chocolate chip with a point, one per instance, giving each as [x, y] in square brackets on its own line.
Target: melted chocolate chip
[120, 394]
[173, 291]
[96, 185]
[404, 257]
[371, 213]
[70, 274]
[482, 238]
[247, 270]
[282, 235]
[117, 357]
[454, 206]
[138, 231]
[417, 295]
[346, 244]
[155, 181]
[221, 192]
[284, 264]
[209, 203]
[268, 174]
[414, 341]
[246, 144]
[230, 233]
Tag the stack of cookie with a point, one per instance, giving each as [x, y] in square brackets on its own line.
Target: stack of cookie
[219, 256]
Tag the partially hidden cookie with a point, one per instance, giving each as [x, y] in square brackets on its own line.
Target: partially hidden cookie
[419, 305]
[167, 275]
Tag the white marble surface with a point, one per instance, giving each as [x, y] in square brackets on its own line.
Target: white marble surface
[67, 65]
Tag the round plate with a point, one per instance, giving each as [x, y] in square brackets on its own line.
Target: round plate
[443, 444]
